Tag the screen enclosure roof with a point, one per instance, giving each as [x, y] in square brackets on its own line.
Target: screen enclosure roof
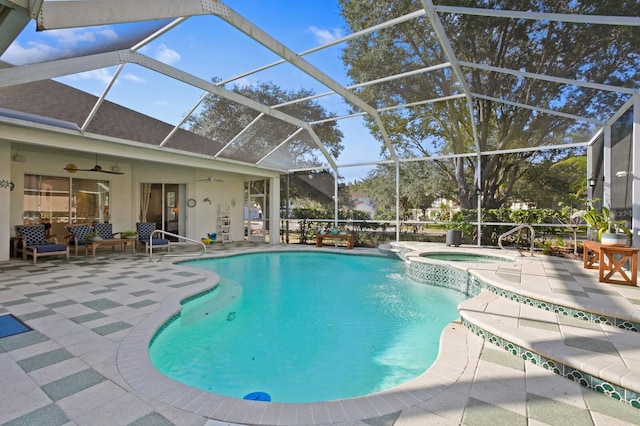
[143, 72]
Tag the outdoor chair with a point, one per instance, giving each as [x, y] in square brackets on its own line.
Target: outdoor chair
[145, 229]
[105, 230]
[76, 236]
[31, 240]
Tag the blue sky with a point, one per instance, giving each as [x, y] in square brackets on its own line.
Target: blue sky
[206, 47]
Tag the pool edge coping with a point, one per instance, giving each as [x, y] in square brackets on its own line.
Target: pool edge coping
[135, 367]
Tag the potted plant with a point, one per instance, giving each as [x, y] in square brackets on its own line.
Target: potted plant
[455, 228]
[602, 222]
[129, 235]
[93, 236]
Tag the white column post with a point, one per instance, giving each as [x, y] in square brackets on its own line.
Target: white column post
[397, 201]
[336, 203]
[274, 210]
[5, 200]
[478, 190]
[606, 160]
[635, 172]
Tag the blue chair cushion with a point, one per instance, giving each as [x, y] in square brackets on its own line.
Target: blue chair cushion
[48, 248]
[155, 242]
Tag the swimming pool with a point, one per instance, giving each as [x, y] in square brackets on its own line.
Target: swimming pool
[308, 327]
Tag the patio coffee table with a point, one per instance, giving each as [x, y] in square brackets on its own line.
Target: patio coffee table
[93, 245]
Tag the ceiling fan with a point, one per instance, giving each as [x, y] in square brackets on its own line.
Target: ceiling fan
[72, 168]
[210, 179]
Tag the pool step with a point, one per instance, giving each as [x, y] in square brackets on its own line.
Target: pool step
[601, 357]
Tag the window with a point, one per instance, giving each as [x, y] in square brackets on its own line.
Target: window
[57, 201]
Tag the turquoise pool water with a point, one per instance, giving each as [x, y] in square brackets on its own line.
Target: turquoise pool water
[307, 327]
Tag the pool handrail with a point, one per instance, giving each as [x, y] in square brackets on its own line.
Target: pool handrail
[518, 228]
[180, 237]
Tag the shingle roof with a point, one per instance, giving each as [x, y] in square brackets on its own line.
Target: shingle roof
[58, 101]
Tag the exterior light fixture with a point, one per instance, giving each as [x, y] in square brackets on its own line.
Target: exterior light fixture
[592, 181]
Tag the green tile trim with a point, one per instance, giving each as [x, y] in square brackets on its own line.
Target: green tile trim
[73, 384]
[466, 282]
[44, 360]
[588, 381]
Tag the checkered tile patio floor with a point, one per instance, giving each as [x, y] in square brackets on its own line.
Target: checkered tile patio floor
[65, 371]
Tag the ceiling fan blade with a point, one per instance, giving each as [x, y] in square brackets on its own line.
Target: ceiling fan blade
[72, 168]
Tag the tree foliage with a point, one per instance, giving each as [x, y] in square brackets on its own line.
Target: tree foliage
[594, 53]
[421, 183]
[223, 121]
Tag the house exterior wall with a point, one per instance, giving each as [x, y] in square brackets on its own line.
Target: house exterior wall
[124, 190]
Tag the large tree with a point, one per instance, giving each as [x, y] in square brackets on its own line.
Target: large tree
[223, 121]
[594, 53]
[421, 183]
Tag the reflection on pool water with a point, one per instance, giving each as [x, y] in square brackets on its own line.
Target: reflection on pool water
[308, 327]
[466, 257]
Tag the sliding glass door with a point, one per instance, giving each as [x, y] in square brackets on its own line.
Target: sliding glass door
[164, 204]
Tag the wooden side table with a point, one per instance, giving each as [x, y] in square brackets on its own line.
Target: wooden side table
[611, 260]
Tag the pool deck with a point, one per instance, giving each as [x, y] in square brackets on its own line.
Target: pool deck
[85, 361]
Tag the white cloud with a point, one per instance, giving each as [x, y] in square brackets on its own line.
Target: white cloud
[161, 53]
[134, 78]
[166, 55]
[17, 54]
[108, 34]
[79, 36]
[71, 37]
[325, 35]
[102, 75]
[56, 44]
